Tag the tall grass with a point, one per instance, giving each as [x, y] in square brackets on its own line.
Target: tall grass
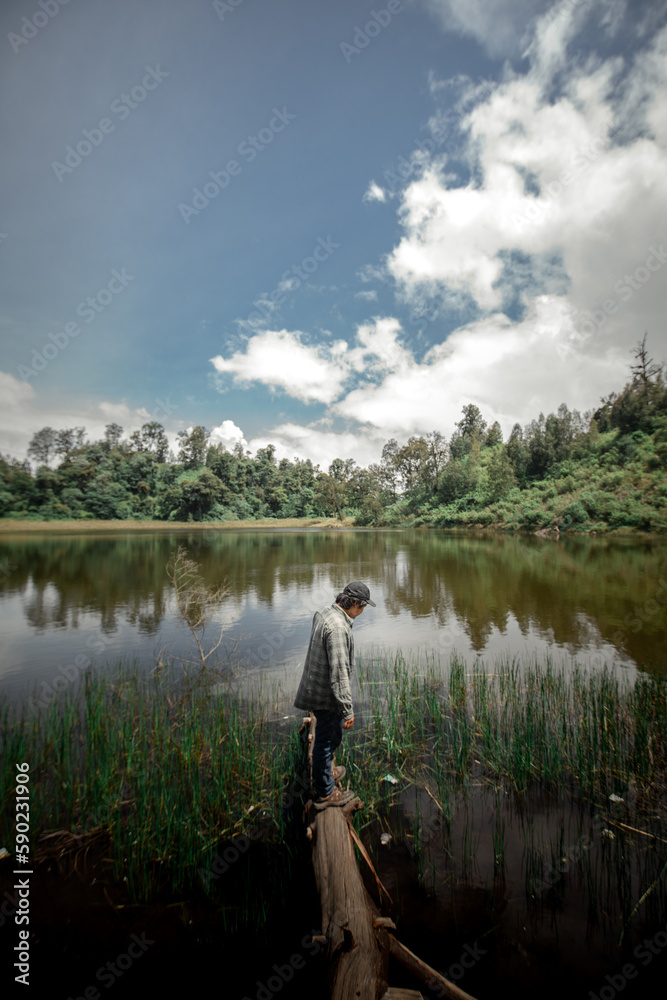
[522, 723]
[169, 773]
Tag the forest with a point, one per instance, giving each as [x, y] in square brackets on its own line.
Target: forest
[598, 471]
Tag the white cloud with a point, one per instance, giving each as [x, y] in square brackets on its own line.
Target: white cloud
[320, 446]
[315, 373]
[120, 413]
[279, 359]
[374, 193]
[380, 349]
[499, 26]
[512, 371]
[228, 435]
[368, 296]
[549, 183]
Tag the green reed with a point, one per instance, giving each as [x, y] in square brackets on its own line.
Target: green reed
[169, 774]
[526, 727]
[171, 771]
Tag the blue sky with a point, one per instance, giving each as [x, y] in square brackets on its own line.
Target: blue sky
[418, 205]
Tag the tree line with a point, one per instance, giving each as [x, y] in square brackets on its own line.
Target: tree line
[475, 477]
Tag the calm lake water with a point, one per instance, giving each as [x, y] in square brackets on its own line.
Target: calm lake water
[68, 601]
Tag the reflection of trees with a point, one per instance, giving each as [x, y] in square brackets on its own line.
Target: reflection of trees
[69, 576]
[556, 589]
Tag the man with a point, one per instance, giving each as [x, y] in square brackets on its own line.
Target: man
[325, 687]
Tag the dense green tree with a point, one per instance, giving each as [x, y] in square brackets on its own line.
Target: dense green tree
[494, 435]
[69, 441]
[500, 475]
[412, 464]
[112, 435]
[193, 444]
[517, 453]
[534, 479]
[458, 478]
[191, 499]
[437, 456]
[388, 472]
[43, 445]
[151, 438]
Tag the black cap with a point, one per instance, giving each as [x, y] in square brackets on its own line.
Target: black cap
[360, 592]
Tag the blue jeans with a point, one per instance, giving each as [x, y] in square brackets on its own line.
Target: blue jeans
[328, 737]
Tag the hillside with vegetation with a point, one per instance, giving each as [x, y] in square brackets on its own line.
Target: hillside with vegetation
[599, 471]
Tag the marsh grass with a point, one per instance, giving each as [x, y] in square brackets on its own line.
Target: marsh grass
[167, 773]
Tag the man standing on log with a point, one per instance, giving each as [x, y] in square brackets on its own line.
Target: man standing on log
[325, 687]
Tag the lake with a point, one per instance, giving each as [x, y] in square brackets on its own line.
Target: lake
[71, 600]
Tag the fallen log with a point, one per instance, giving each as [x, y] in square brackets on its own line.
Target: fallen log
[357, 960]
[357, 963]
[356, 933]
[420, 970]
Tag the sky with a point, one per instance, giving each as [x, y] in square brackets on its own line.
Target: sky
[322, 226]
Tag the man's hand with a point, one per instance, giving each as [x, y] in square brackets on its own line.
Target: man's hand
[348, 723]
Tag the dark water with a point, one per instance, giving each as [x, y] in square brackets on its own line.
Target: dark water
[545, 921]
[71, 600]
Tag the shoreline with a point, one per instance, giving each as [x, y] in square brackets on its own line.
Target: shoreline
[84, 526]
[311, 523]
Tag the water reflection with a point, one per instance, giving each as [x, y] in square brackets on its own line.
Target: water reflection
[477, 593]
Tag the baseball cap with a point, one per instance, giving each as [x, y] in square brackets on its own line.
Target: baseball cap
[360, 592]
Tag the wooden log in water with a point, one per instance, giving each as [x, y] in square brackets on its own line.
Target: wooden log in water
[395, 993]
[424, 973]
[356, 934]
[357, 962]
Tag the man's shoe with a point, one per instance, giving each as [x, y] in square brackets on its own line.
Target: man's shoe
[336, 798]
[337, 773]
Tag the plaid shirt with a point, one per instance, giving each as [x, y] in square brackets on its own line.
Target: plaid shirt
[325, 683]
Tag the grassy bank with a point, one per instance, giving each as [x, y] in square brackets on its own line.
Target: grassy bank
[165, 778]
[90, 525]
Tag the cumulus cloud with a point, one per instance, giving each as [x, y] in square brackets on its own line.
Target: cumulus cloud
[313, 373]
[228, 435]
[570, 181]
[512, 371]
[279, 359]
[321, 446]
